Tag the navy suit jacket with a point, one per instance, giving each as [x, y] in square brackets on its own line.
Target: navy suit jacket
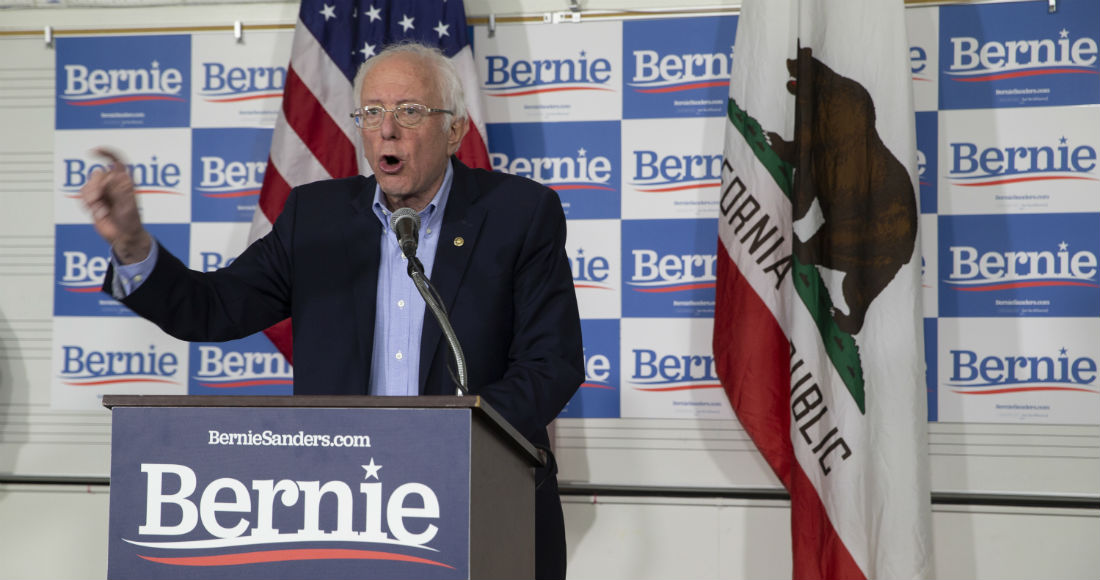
[500, 268]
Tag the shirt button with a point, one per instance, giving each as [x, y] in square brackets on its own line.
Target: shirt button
[400, 303]
[399, 356]
[138, 278]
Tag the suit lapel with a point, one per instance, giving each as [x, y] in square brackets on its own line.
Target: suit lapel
[461, 227]
[362, 238]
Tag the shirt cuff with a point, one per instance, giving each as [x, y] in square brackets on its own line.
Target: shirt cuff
[128, 277]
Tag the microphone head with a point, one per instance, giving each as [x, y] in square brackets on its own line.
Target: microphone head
[405, 223]
[405, 213]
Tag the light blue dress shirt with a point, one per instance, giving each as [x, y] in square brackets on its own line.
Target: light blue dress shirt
[399, 314]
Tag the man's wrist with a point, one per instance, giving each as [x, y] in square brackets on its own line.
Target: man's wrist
[133, 249]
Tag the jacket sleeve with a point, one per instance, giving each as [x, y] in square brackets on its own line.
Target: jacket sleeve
[245, 297]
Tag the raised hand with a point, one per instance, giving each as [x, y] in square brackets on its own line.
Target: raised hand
[110, 198]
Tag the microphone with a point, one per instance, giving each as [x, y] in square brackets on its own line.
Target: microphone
[405, 223]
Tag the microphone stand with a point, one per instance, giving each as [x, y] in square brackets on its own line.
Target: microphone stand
[435, 304]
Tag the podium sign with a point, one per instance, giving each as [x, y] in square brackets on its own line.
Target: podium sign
[278, 492]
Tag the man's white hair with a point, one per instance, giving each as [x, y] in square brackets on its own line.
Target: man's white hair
[446, 75]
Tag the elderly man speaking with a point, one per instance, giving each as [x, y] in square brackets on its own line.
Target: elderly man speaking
[492, 244]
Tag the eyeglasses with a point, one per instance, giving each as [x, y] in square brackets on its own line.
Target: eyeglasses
[407, 115]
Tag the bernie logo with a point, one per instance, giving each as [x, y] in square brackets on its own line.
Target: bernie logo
[972, 166]
[97, 368]
[150, 178]
[230, 369]
[222, 84]
[222, 179]
[918, 64]
[974, 374]
[655, 173]
[81, 273]
[559, 173]
[87, 87]
[519, 77]
[597, 372]
[976, 61]
[974, 271]
[590, 272]
[671, 73]
[663, 372]
[656, 273]
[255, 537]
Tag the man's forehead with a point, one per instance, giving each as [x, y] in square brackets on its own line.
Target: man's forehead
[403, 73]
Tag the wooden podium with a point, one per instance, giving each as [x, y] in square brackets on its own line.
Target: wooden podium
[318, 487]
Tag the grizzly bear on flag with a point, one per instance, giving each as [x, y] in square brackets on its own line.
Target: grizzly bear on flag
[864, 192]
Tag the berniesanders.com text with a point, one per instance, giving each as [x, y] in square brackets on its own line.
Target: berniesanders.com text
[269, 438]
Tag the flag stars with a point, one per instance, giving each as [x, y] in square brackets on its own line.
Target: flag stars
[328, 12]
[367, 51]
[374, 13]
[406, 23]
[441, 29]
[371, 470]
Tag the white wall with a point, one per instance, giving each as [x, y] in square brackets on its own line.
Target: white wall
[60, 531]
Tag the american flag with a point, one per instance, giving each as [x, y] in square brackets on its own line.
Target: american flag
[314, 138]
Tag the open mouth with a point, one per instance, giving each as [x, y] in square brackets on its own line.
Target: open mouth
[390, 164]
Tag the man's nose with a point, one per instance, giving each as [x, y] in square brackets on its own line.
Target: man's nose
[389, 129]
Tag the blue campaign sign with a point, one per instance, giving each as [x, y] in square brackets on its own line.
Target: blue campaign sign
[123, 81]
[80, 262]
[249, 366]
[1016, 54]
[928, 159]
[289, 493]
[579, 160]
[677, 67]
[669, 268]
[1019, 265]
[598, 397]
[227, 172]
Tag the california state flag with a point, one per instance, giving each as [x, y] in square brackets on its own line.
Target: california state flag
[818, 331]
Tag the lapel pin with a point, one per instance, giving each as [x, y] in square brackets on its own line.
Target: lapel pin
[459, 241]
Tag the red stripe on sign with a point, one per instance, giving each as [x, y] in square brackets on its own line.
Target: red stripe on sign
[290, 556]
[1021, 390]
[687, 87]
[1024, 73]
[679, 388]
[255, 383]
[1035, 284]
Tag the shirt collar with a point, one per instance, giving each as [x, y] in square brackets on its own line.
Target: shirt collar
[434, 208]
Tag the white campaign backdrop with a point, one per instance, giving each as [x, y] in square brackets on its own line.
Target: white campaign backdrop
[630, 431]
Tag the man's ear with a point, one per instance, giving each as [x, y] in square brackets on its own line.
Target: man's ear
[455, 133]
